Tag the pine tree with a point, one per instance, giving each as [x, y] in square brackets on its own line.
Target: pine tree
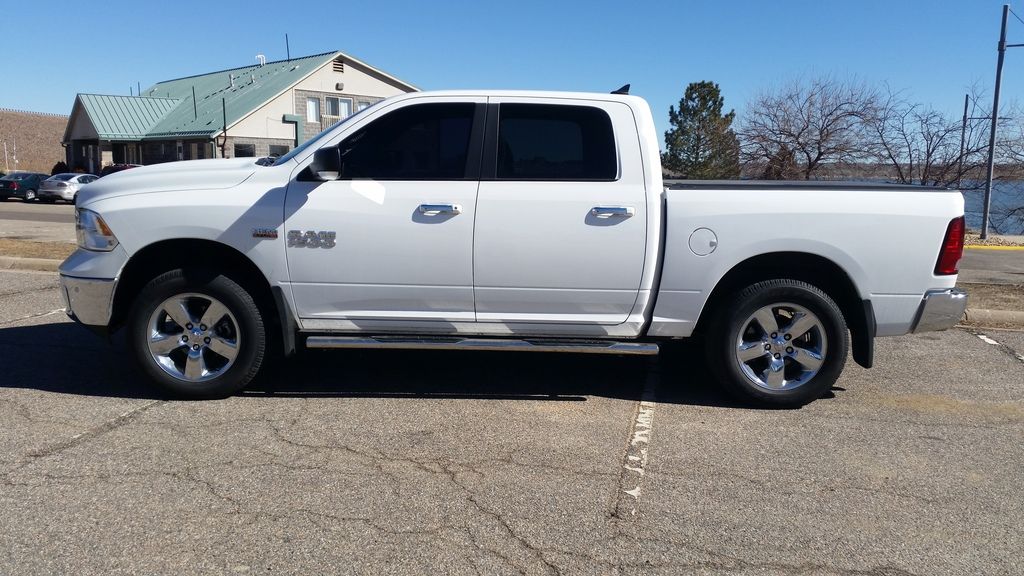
[701, 144]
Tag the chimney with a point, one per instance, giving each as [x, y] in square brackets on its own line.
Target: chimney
[261, 59]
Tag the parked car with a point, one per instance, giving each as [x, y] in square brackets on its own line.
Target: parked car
[24, 185]
[520, 221]
[63, 186]
[116, 168]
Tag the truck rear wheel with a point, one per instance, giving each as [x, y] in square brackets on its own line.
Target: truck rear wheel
[197, 334]
[778, 343]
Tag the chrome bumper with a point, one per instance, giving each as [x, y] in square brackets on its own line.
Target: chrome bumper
[88, 300]
[940, 310]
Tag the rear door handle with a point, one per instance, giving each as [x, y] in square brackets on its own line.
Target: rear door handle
[435, 209]
[612, 211]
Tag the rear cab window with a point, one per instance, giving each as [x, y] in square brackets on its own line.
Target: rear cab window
[553, 142]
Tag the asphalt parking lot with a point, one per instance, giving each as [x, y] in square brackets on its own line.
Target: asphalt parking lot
[479, 463]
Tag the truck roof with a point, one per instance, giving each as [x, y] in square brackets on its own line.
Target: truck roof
[522, 93]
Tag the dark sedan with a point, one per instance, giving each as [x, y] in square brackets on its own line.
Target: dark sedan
[24, 185]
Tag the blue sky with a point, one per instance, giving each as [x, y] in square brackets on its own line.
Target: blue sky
[933, 50]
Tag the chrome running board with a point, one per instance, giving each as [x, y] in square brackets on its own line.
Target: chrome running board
[490, 344]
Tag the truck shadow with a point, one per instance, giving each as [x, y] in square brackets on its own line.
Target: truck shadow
[64, 358]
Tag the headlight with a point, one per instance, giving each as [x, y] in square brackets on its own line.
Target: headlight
[93, 233]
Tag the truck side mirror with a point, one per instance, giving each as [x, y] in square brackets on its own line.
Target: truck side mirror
[326, 163]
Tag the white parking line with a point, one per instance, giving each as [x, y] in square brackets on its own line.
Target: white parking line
[1002, 346]
[987, 340]
[634, 464]
[31, 316]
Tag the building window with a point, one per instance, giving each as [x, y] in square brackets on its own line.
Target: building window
[338, 108]
[245, 150]
[312, 109]
[554, 142]
[278, 150]
[364, 105]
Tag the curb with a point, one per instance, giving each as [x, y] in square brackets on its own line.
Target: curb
[37, 264]
[983, 247]
[985, 317]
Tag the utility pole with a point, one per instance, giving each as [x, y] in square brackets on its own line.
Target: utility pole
[963, 135]
[995, 116]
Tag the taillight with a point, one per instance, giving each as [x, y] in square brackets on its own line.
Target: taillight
[952, 248]
[14, 185]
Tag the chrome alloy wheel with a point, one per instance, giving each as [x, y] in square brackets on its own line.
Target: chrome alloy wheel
[193, 337]
[781, 346]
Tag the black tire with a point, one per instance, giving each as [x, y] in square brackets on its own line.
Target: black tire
[243, 318]
[732, 326]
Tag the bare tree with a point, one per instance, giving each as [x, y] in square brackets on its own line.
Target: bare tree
[923, 146]
[1010, 142]
[796, 130]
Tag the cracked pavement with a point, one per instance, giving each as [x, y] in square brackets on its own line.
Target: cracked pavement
[369, 462]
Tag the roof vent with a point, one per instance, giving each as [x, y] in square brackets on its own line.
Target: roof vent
[231, 80]
[339, 65]
[261, 59]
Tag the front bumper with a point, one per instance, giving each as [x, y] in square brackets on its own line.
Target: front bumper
[88, 300]
[940, 310]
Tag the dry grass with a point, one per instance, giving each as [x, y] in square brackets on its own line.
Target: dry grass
[38, 138]
[30, 249]
[973, 239]
[995, 296]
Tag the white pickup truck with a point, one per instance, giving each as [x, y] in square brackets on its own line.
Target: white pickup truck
[525, 221]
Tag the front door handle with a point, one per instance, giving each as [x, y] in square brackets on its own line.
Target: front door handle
[612, 211]
[435, 209]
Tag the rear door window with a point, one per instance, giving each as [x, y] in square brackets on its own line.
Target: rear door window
[555, 142]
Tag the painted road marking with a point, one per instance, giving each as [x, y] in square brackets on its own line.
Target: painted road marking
[987, 340]
[980, 247]
[1000, 345]
[32, 316]
[634, 464]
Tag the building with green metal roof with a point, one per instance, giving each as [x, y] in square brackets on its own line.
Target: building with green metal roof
[259, 110]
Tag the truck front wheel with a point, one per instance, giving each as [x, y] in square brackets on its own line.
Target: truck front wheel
[197, 334]
[778, 343]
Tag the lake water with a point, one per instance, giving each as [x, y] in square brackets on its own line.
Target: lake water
[1005, 196]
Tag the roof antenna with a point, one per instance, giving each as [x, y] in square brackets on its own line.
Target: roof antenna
[288, 47]
[624, 90]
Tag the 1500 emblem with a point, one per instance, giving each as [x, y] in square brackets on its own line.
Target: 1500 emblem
[310, 239]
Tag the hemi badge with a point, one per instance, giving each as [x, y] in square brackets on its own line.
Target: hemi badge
[264, 233]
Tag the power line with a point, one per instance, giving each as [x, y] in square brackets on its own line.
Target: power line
[1015, 16]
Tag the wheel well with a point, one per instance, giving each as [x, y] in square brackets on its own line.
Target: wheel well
[166, 255]
[813, 269]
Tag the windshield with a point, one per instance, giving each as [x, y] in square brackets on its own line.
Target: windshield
[62, 177]
[311, 143]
